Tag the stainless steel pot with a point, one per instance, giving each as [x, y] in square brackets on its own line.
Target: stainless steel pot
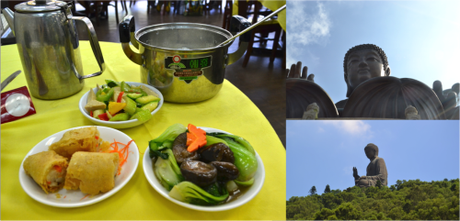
[183, 60]
[48, 45]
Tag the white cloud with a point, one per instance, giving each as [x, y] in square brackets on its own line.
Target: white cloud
[352, 127]
[304, 27]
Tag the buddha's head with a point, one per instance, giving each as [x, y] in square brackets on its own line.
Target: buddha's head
[363, 62]
[371, 150]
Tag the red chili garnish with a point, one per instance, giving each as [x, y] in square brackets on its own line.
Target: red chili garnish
[48, 182]
[120, 96]
[91, 113]
[97, 138]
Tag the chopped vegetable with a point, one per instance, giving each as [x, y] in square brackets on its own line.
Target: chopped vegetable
[167, 170]
[103, 116]
[196, 138]
[141, 115]
[111, 83]
[191, 193]
[120, 117]
[166, 138]
[245, 161]
[104, 96]
[115, 107]
[244, 143]
[120, 96]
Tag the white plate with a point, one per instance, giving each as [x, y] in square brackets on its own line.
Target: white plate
[119, 124]
[246, 197]
[74, 198]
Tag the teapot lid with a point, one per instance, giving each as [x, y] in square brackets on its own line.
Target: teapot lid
[39, 6]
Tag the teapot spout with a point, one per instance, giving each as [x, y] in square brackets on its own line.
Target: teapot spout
[9, 15]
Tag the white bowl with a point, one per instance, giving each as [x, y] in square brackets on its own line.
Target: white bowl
[119, 124]
[75, 198]
[251, 192]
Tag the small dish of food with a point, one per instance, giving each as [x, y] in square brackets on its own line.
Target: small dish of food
[121, 104]
[79, 166]
[214, 177]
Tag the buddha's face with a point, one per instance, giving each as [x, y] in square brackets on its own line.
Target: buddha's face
[362, 65]
[369, 153]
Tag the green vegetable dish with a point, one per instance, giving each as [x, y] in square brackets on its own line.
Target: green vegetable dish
[217, 172]
[119, 101]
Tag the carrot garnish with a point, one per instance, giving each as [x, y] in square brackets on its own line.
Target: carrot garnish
[196, 138]
[123, 153]
[84, 197]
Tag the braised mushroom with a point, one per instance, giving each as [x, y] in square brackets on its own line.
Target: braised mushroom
[217, 152]
[180, 149]
[225, 170]
[199, 173]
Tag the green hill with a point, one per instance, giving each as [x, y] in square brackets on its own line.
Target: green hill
[407, 200]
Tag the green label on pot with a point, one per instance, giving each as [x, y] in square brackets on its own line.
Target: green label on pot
[187, 69]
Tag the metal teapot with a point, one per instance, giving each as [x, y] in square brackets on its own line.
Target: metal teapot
[47, 40]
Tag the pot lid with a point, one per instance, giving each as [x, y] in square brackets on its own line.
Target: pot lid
[39, 6]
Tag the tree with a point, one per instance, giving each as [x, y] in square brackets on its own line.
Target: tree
[312, 191]
[328, 189]
[378, 184]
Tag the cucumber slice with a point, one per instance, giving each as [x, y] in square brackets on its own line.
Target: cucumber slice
[147, 99]
[150, 106]
[133, 96]
[142, 116]
[130, 107]
[120, 117]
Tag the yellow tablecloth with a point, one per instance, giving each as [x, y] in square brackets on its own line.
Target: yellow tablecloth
[229, 110]
[273, 6]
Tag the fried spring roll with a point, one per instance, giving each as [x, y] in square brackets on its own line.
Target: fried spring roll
[48, 169]
[82, 139]
[92, 172]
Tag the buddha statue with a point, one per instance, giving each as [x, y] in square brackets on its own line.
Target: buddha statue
[361, 63]
[376, 170]
[371, 91]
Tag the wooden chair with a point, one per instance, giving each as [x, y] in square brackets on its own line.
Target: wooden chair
[261, 34]
[98, 7]
[228, 8]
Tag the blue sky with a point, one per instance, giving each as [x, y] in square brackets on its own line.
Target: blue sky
[324, 152]
[420, 38]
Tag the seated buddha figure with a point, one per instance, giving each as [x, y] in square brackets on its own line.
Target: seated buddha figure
[376, 170]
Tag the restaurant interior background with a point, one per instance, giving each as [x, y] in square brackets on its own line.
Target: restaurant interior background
[260, 80]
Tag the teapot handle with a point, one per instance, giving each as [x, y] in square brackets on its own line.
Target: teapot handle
[94, 45]
[126, 29]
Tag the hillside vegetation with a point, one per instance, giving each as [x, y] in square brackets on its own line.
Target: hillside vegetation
[407, 200]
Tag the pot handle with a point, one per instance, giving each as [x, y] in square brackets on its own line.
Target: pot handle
[239, 23]
[94, 45]
[126, 29]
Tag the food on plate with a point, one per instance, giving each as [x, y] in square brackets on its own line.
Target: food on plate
[92, 172]
[202, 168]
[119, 101]
[81, 139]
[48, 169]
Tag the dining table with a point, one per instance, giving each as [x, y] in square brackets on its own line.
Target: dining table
[230, 110]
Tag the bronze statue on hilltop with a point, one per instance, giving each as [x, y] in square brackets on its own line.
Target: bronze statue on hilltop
[371, 92]
[376, 170]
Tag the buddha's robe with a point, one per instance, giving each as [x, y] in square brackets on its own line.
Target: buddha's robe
[376, 170]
